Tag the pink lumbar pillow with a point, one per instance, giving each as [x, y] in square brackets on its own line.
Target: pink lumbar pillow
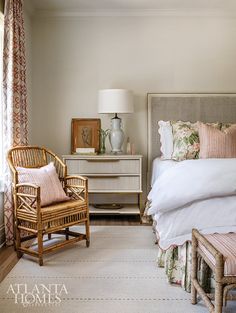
[46, 178]
[215, 143]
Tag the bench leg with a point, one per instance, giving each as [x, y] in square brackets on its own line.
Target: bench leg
[194, 270]
[193, 294]
[218, 297]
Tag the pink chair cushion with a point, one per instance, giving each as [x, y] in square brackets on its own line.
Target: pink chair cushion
[226, 245]
[46, 178]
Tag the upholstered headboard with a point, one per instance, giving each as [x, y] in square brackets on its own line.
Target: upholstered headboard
[186, 107]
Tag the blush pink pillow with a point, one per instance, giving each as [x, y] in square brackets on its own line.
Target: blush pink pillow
[215, 143]
[46, 178]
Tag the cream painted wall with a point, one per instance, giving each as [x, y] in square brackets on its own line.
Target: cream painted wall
[74, 57]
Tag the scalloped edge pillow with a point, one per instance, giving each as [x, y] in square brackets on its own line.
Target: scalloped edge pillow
[166, 139]
[46, 178]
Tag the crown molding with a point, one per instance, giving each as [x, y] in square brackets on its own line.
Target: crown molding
[138, 13]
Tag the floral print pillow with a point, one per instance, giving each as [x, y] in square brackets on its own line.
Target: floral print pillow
[185, 140]
[186, 144]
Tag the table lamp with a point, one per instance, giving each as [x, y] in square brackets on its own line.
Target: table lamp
[117, 101]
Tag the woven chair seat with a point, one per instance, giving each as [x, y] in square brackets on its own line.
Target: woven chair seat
[226, 245]
[61, 209]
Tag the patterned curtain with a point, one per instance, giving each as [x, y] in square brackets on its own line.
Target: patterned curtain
[15, 121]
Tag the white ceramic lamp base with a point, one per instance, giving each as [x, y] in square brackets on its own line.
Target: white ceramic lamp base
[116, 135]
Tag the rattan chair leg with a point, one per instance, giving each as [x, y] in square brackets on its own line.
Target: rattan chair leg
[49, 236]
[17, 241]
[40, 247]
[87, 233]
[67, 235]
[218, 297]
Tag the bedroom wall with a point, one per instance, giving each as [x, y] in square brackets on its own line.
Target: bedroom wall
[74, 57]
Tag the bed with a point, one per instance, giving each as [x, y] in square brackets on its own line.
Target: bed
[178, 208]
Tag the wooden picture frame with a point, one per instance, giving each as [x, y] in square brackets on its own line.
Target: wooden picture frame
[85, 133]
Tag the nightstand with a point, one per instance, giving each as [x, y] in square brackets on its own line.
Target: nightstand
[120, 175]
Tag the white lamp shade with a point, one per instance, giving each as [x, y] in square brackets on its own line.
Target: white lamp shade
[115, 101]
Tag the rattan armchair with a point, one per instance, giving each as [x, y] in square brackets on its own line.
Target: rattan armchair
[33, 221]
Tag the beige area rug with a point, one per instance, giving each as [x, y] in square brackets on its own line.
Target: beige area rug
[117, 274]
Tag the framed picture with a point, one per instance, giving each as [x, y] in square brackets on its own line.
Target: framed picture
[85, 133]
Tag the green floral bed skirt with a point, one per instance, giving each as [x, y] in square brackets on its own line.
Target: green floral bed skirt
[177, 263]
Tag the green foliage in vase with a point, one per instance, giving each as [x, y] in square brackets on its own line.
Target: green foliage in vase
[103, 135]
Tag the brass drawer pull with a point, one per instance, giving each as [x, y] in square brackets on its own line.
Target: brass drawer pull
[107, 176]
[101, 160]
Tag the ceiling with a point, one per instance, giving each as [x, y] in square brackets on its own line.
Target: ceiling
[99, 5]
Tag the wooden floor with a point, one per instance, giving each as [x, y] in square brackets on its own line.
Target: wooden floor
[8, 257]
[8, 260]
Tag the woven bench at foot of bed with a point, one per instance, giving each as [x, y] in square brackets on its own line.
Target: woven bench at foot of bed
[226, 245]
[219, 252]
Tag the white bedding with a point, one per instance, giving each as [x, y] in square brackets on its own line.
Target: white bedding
[159, 166]
[194, 194]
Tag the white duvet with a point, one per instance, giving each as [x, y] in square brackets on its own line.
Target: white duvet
[194, 194]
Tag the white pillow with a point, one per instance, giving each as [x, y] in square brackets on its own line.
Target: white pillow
[166, 139]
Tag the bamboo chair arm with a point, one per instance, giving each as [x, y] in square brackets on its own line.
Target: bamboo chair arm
[76, 187]
[27, 198]
[76, 181]
[70, 177]
[28, 190]
[26, 185]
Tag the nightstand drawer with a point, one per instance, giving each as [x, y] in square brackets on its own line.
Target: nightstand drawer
[112, 179]
[114, 183]
[103, 166]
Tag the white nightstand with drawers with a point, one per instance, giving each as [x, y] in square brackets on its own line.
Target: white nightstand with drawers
[107, 174]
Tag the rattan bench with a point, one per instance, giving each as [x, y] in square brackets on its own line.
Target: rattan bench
[219, 252]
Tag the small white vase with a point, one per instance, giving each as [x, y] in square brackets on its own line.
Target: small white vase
[116, 135]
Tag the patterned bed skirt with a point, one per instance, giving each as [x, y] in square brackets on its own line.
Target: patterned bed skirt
[177, 263]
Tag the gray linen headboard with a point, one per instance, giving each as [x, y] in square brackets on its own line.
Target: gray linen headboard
[186, 107]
